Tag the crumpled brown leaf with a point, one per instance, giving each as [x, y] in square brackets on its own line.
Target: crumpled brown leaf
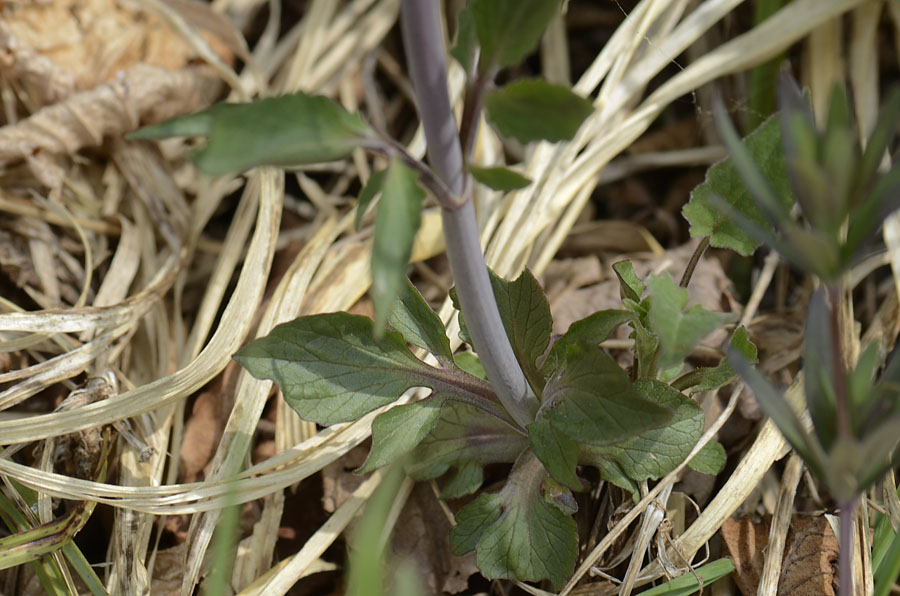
[143, 94]
[422, 533]
[809, 566]
[90, 69]
[84, 43]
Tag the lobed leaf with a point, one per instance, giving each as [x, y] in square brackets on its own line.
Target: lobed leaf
[710, 459]
[592, 329]
[724, 180]
[525, 313]
[332, 368]
[396, 225]
[466, 40]
[278, 131]
[630, 285]
[592, 400]
[464, 479]
[535, 110]
[656, 452]
[678, 330]
[517, 533]
[509, 30]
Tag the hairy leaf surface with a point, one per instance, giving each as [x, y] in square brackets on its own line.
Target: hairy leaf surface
[592, 400]
[332, 368]
[517, 533]
[655, 452]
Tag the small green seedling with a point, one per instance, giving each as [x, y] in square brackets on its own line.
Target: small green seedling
[546, 407]
[843, 198]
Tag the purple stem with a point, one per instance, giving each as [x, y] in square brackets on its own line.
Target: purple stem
[426, 60]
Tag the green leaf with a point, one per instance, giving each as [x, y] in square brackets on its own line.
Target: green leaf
[557, 452]
[466, 40]
[278, 131]
[397, 431]
[773, 403]
[331, 367]
[612, 472]
[470, 363]
[714, 377]
[464, 434]
[526, 317]
[463, 330]
[395, 229]
[535, 110]
[525, 313]
[465, 478]
[499, 178]
[591, 399]
[818, 369]
[654, 452]
[709, 460]
[724, 180]
[419, 325]
[509, 30]
[367, 195]
[630, 285]
[686, 584]
[592, 329]
[516, 533]
[678, 330]
[472, 521]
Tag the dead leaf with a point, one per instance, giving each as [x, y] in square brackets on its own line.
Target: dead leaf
[168, 571]
[203, 429]
[89, 42]
[338, 479]
[809, 566]
[422, 534]
[141, 95]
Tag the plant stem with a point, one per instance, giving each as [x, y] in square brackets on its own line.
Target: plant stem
[692, 264]
[845, 549]
[426, 60]
[840, 390]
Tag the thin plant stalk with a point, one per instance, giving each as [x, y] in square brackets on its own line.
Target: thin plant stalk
[426, 61]
[847, 508]
[846, 517]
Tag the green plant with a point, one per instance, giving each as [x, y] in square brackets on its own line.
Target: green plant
[544, 407]
[843, 197]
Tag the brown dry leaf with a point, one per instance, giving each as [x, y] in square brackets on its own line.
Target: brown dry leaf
[338, 479]
[203, 429]
[422, 534]
[809, 566]
[142, 94]
[88, 42]
[168, 571]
